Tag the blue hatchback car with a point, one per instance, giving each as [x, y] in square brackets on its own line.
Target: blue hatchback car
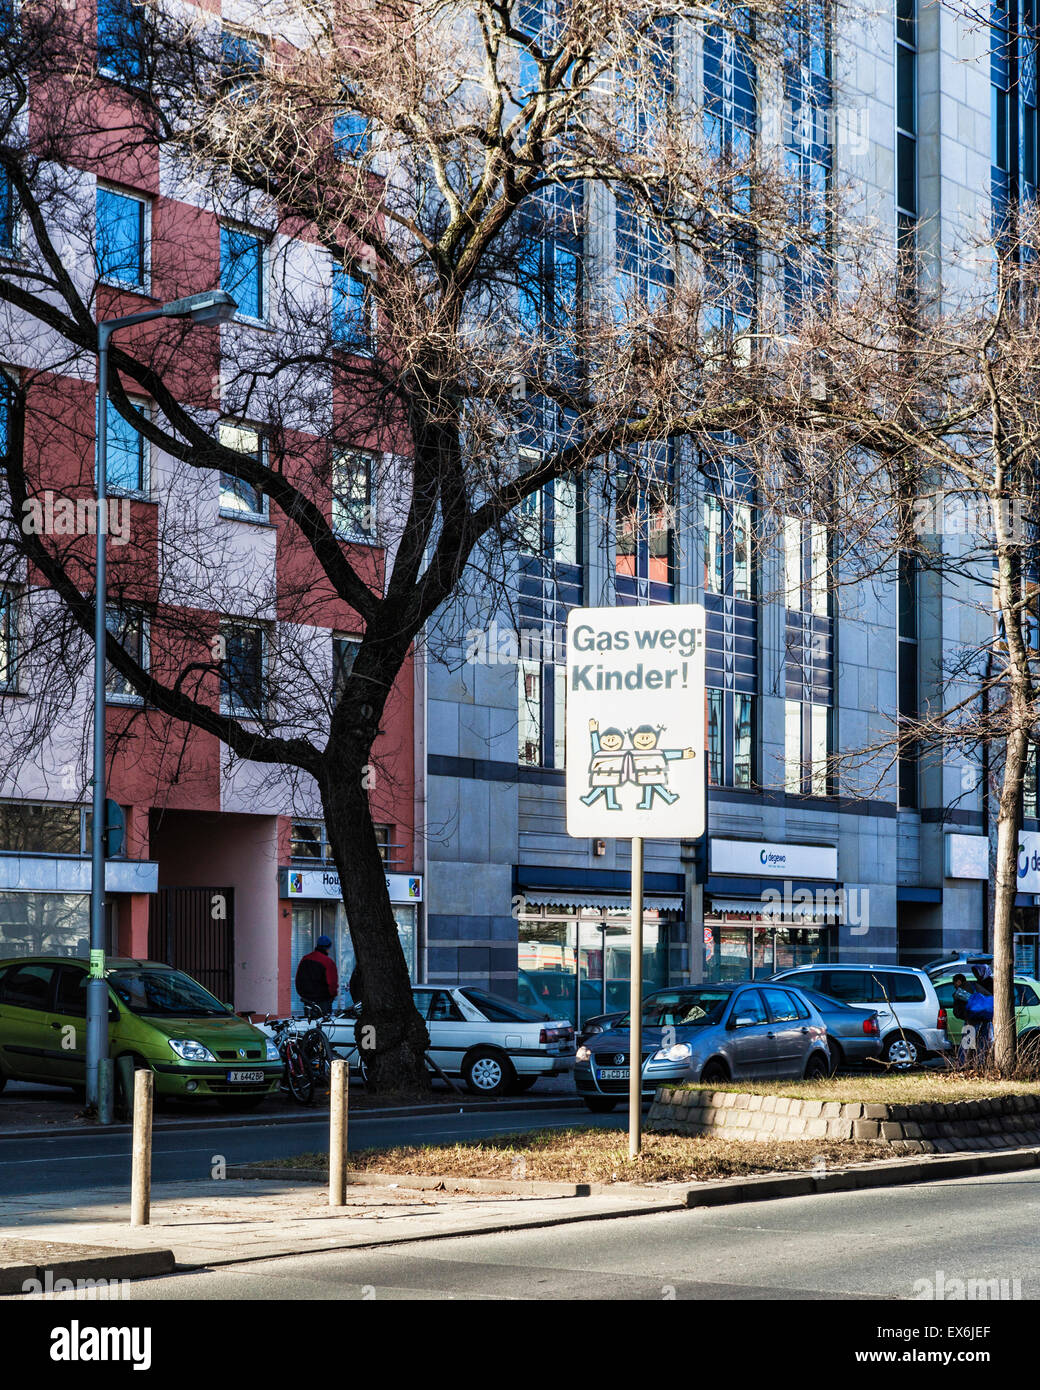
[722, 1032]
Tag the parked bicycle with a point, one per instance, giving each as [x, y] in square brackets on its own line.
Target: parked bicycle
[299, 1076]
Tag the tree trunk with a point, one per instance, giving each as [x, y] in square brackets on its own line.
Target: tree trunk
[391, 1036]
[1009, 820]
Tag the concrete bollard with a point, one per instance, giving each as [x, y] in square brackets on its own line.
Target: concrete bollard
[141, 1170]
[338, 1100]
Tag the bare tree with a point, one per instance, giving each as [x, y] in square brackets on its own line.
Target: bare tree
[431, 182]
[922, 441]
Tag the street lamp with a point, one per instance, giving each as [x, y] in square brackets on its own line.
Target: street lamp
[212, 306]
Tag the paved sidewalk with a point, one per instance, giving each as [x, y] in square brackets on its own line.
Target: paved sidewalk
[215, 1223]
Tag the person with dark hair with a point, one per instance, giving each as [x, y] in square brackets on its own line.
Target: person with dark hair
[317, 979]
[980, 1009]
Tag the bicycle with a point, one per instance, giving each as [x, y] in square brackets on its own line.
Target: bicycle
[299, 1077]
[317, 1049]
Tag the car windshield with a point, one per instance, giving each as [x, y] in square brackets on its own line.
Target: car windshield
[690, 1008]
[498, 1009]
[164, 992]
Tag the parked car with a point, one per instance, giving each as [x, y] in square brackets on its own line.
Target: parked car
[956, 960]
[707, 1033]
[1027, 1005]
[912, 1022]
[493, 1043]
[853, 1035]
[600, 1023]
[197, 1047]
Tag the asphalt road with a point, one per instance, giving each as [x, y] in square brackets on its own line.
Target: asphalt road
[892, 1243]
[84, 1158]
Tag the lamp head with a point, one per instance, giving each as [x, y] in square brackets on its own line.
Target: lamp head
[211, 306]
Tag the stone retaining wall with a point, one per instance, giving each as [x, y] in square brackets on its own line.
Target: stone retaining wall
[999, 1122]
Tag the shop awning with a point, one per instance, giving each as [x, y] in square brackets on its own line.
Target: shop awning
[785, 911]
[574, 899]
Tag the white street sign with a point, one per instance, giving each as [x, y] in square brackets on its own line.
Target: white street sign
[635, 722]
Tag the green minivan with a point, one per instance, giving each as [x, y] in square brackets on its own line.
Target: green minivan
[161, 1018]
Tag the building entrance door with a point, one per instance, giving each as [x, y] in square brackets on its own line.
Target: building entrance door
[193, 929]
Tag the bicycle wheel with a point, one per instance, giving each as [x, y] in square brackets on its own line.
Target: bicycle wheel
[298, 1074]
[318, 1052]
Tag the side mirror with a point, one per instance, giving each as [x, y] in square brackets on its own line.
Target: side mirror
[741, 1021]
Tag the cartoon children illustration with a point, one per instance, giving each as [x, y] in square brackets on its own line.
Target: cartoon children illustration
[643, 762]
[649, 765]
[608, 766]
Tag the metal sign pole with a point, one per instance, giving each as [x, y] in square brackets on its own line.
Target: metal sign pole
[635, 1004]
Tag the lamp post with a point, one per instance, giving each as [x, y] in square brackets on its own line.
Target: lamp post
[213, 306]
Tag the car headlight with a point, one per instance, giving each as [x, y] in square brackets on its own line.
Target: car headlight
[583, 1054]
[191, 1051]
[273, 1054]
[680, 1052]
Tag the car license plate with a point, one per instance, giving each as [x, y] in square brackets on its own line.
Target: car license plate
[613, 1074]
[249, 1077]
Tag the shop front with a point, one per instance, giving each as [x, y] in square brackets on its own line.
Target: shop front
[316, 904]
[768, 907]
[575, 950]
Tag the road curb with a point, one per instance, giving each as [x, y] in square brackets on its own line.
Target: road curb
[719, 1192]
[115, 1264]
[257, 1119]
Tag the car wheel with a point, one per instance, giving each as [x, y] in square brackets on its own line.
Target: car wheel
[836, 1055]
[903, 1051]
[488, 1073]
[714, 1071]
[817, 1067]
[524, 1083]
[600, 1105]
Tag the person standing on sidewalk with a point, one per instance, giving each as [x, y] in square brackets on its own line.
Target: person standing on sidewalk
[317, 979]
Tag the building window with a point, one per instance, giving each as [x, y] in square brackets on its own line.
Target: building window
[242, 671]
[907, 677]
[238, 497]
[551, 583]
[8, 216]
[808, 154]
[644, 538]
[130, 629]
[121, 238]
[6, 393]
[121, 39]
[354, 495]
[808, 658]
[242, 271]
[1031, 789]
[309, 843]
[345, 648]
[529, 733]
[241, 62]
[8, 639]
[30, 827]
[353, 327]
[731, 612]
[127, 453]
[351, 135]
[731, 738]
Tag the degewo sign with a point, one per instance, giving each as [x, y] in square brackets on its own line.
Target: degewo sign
[635, 722]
